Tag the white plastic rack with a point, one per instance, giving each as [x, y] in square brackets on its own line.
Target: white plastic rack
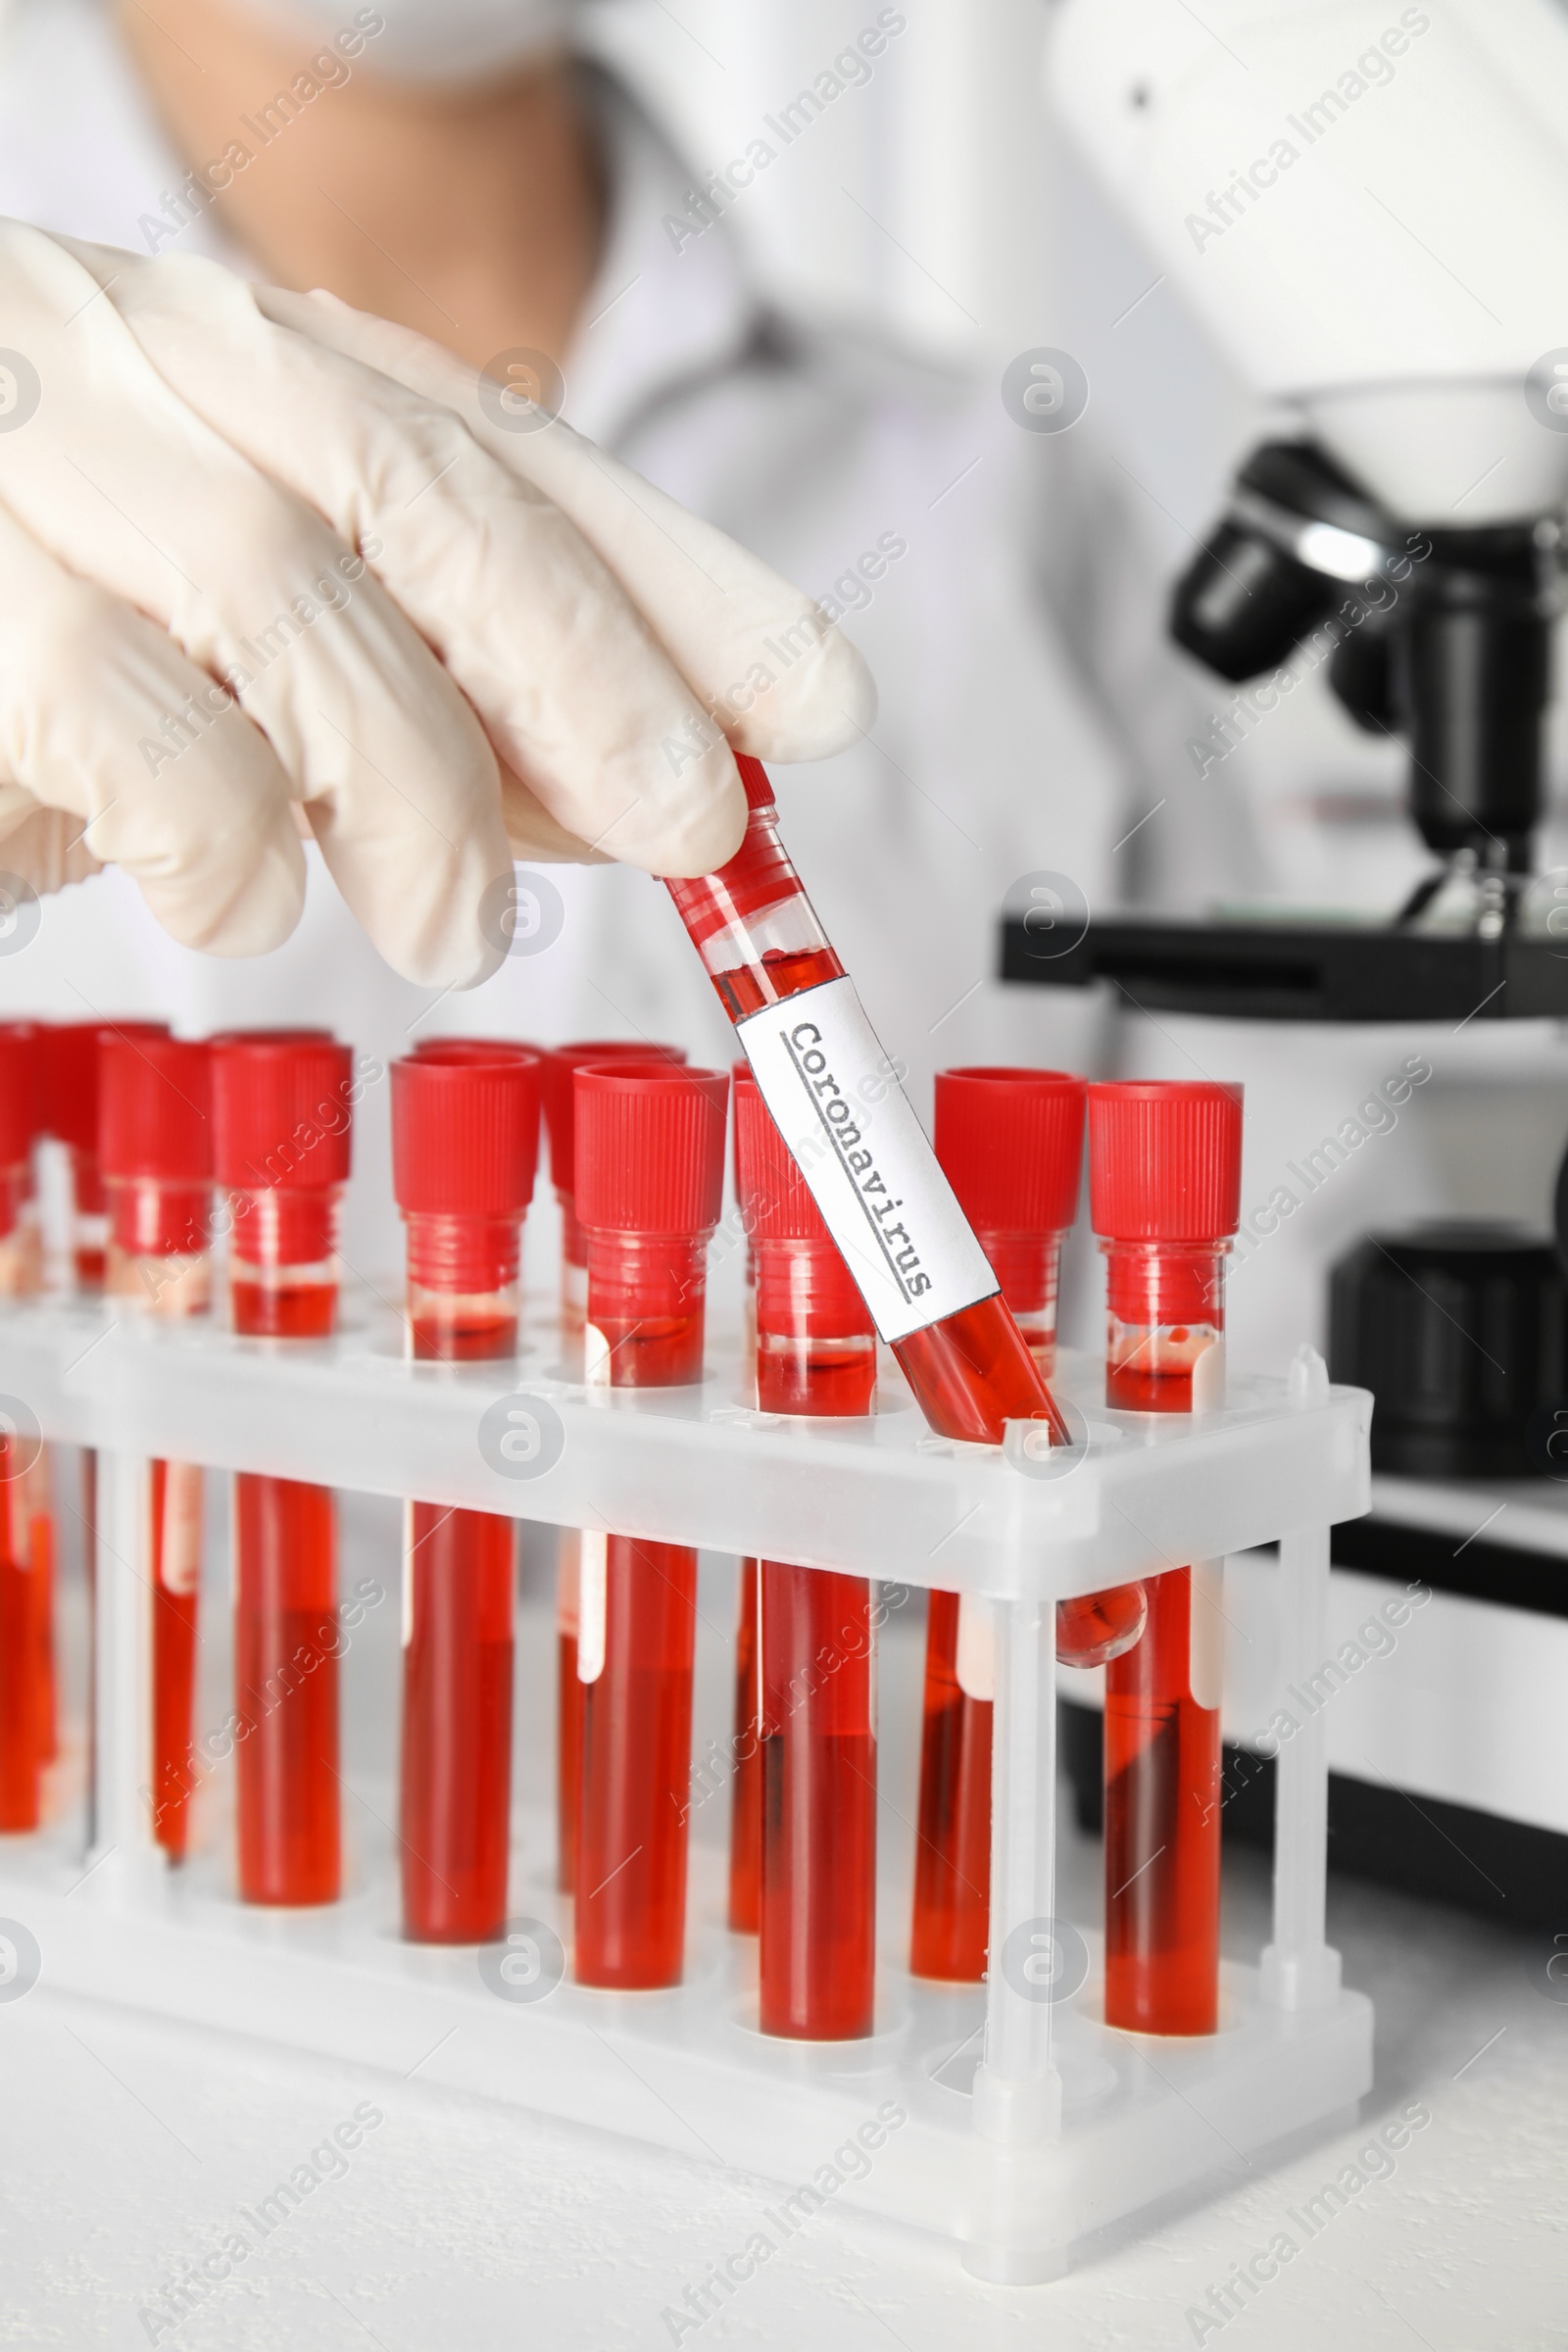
[1067, 2126]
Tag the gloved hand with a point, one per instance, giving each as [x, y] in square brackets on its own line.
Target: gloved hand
[260, 554]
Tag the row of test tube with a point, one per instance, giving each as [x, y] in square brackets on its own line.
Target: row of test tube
[637, 1150]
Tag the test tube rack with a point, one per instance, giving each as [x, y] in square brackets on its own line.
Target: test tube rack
[1068, 2128]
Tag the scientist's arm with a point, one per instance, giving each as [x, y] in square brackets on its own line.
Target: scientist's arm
[260, 554]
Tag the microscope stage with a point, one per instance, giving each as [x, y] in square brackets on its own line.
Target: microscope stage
[1303, 969]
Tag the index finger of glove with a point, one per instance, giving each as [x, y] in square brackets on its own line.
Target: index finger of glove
[126, 486]
[780, 678]
[573, 687]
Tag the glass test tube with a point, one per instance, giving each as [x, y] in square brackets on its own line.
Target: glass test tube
[1164, 1189]
[156, 1152]
[745, 1908]
[21, 1742]
[649, 1155]
[31, 1501]
[282, 1107]
[560, 1064]
[1010, 1142]
[744, 1915]
[464, 1138]
[70, 1100]
[19, 1757]
[969, 1367]
[816, 1355]
[72, 1089]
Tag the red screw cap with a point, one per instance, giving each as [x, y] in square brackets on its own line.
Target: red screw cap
[281, 1109]
[1011, 1145]
[155, 1110]
[1164, 1161]
[561, 1063]
[758, 875]
[472, 1048]
[466, 1130]
[759, 792]
[18, 1066]
[650, 1147]
[67, 1104]
[776, 1203]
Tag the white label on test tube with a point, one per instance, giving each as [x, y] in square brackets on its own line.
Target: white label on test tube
[872, 1173]
[1205, 1633]
[591, 1599]
[569, 1565]
[179, 1548]
[975, 1663]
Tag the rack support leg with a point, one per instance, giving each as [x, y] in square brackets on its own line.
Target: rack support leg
[1017, 2091]
[1300, 1968]
[123, 1746]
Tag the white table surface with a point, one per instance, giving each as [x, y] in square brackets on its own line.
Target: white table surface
[132, 2143]
[129, 2144]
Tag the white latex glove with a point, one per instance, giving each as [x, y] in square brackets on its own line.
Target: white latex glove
[450, 642]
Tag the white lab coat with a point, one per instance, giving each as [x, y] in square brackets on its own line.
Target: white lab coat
[1009, 602]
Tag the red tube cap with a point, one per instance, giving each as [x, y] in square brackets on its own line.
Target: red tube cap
[560, 1109]
[776, 1203]
[650, 1147]
[1164, 1161]
[155, 1109]
[465, 1129]
[758, 875]
[759, 792]
[1011, 1145]
[67, 1105]
[472, 1048]
[281, 1109]
[18, 1070]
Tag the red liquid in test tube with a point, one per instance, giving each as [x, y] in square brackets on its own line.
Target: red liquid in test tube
[72, 1094]
[19, 1681]
[883, 1197]
[745, 1744]
[650, 1169]
[1010, 1142]
[465, 1138]
[745, 1910]
[560, 1064]
[816, 1355]
[70, 1090]
[282, 1106]
[156, 1153]
[22, 1250]
[1164, 1177]
[32, 1502]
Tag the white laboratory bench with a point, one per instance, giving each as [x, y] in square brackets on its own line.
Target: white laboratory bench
[134, 2145]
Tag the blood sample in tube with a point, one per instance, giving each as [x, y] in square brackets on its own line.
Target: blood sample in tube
[746, 1775]
[1010, 1142]
[22, 1273]
[19, 1662]
[816, 1355]
[650, 1168]
[745, 1740]
[71, 1099]
[884, 1198]
[1164, 1176]
[22, 1696]
[154, 1135]
[282, 1107]
[465, 1138]
[560, 1064]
